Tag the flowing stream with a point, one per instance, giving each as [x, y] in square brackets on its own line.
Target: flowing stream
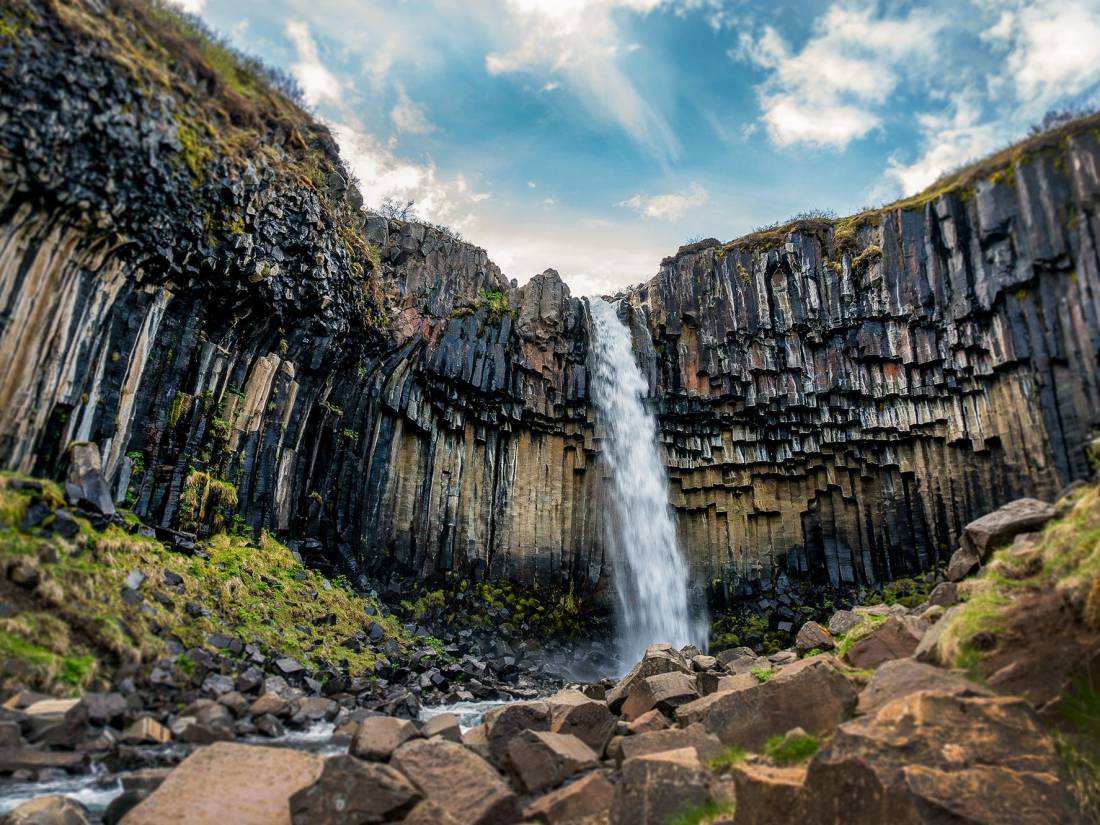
[648, 569]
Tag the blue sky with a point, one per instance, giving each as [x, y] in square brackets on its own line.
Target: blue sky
[595, 136]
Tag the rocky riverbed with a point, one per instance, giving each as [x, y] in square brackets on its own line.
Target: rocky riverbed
[952, 710]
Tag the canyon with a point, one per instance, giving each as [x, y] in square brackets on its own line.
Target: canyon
[835, 398]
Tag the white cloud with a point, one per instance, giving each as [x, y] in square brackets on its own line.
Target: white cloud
[828, 92]
[189, 6]
[318, 84]
[579, 43]
[531, 184]
[409, 116]
[1054, 50]
[950, 140]
[384, 175]
[669, 206]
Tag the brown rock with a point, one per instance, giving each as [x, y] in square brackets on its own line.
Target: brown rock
[544, 760]
[902, 677]
[227, 782]
[811, 636]
[657, 787]
[56, 721]
[944, 594]
[49, 810]
[428, 813]
[587, 798]
[273, 704]
[931, 758]
[588, 719]
[769, 795]
[810, 694]
[379, 736]
[963, 562]
[734, 654]
[665, 692]
[928, 647]
[649, 722]
[458, 780]
[656, 662]
[702, 663]
[984, 535]
[506, 721]
[352, 792]
[445, 725]
[707, 745]
[895, 638]
[146, 731]
[477, 740]
[33, 759]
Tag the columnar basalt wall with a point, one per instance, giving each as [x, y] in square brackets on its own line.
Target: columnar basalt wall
[839, 401]
[194, 287]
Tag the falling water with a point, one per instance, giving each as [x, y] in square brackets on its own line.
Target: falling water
[648, 570]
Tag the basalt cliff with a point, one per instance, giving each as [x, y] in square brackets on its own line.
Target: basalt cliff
[188, 280]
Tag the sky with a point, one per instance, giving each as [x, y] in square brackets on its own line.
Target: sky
[596, 136]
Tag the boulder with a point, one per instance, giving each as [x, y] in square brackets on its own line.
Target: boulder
[810, 694]
[49, 810]
[842, 621]
[506, 721]
[445, 725]
[902, 677]
[587, 799]
[229, 782]
[703, 663]
[770, 795]
[928, 648]
[664, 692]
[657, 661]
[944, 594]
[105, 708]
[86, 483]
[352, 792]
[379, 736]
[695, 736]
[56, 721]
[588, 719]
[813, 636]
[146, 731]
[734, 654]
[931, 757]
[429, 813]
[648, 722]
[476, 740]
[895, 638]
[34, 759]
[984, 535]
[272, 704]
[962, 563]
[544, 760]
[655, 788]
[457, 780]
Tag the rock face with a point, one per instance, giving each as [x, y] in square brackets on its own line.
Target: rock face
[836, 401]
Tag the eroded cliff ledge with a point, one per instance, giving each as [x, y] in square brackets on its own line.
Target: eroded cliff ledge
[187, 280]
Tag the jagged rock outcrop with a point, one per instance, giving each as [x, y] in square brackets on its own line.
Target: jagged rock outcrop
[187, 281]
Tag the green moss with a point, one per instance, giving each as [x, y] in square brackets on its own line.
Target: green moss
[731, 756]
[762, 674]
[868, 256]
[789, 750]
[844, 643]
[703, 813]
[194, 152]
[181, 403]
[496, 301]
[206, 502]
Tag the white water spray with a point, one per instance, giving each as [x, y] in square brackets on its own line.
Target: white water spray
[647, 567]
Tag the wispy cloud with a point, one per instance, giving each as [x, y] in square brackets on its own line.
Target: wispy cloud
[317, 82]
[409, 116]
[828, 92]
[670, 206]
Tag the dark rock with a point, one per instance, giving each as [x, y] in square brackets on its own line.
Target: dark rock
[350, 792]
[543, 760]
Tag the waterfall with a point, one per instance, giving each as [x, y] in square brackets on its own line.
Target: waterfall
[648, 569]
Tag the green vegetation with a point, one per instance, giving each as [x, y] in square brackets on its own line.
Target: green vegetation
[206, 503]
[733, 755]
[789, 750]
[868, 256]
[845, 643]
[906, 592]
[1078, 744]
[703, 813]
[762, 674]
[82, 627]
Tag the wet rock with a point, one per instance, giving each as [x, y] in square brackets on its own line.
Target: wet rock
[229, 782]
[23, 758]
[272, 704]
[896, 638]
[457, 780]
[379, 736]
[657, 787]
[544, 760]
[810, 694]
[351, 792]
[269, 726]
[586, 799]
[49, 810]
[445, 725]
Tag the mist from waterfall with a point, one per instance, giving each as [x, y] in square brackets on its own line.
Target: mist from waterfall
[648, 569]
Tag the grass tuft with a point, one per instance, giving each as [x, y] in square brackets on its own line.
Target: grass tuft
[703, 813]
[789, 750]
